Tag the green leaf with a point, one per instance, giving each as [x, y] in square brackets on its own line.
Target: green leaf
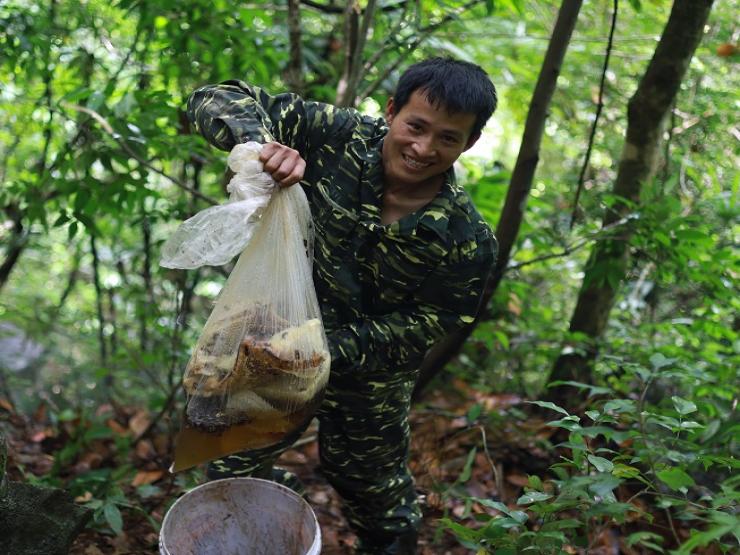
[620, 406]
[659, 361]
[683, 406]
[474, 412]
[593, 414]
[113, 517]
[723, 524]
[604, 485]
[570, 423]
[601, 464]
[549, 405]
[640, 537]
[625, 471]
[532, 497]
[519, 516]
[534, 482]
[72, 231]
[675, 478]
[467, 470]
[693, 236]
[565, 524]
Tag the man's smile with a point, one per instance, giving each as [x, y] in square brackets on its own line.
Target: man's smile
[414, 163]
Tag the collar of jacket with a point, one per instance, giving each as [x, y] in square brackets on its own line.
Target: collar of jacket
[434, 217]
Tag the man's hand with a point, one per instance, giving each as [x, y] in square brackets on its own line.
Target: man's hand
[284, 164]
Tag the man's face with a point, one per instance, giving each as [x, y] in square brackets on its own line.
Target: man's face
[423, 141]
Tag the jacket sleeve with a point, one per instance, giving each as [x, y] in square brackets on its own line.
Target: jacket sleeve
[234, 112]
[448, 300]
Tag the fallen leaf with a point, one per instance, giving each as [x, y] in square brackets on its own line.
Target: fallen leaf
[320, 498]
[139, 422]
[39, 415]
[84, 498]
[145, 450]
[518, 480]
[144, 477]
[116, 427]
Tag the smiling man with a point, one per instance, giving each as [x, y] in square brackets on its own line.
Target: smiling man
[401, 259]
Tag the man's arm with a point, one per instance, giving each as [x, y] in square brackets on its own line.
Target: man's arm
[235, 112]
[447, 300]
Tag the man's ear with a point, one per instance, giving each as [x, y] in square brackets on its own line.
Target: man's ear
[390, 111]
[471, 140]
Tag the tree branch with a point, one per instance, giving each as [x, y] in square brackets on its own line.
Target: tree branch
[421, 35]
[117, 137]
[599, 107]
[569, 249]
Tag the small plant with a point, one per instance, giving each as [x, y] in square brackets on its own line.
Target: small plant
[659, 471]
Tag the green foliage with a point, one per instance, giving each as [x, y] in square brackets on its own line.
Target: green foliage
[619, 451]
[93, 144]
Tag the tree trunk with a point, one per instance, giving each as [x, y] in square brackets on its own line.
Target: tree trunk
[294, 71]
[16, 244]
[646, 113]
[520, 184]
[355, 37]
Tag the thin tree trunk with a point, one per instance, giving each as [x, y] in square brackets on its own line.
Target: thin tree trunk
[520, 184]
[16, 244]
[99, 302]
[351, 30]
[294, 73]
[646, 113]
[146, 274]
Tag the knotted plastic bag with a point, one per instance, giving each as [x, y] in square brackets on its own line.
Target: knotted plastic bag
[262, 361]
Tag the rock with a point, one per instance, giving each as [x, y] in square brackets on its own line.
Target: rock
[36, 520]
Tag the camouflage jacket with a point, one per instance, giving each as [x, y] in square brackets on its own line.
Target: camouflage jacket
[387, 293]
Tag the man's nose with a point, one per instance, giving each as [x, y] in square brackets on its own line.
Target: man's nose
[424, 147]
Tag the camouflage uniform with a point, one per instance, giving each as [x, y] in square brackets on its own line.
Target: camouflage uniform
[387, 293]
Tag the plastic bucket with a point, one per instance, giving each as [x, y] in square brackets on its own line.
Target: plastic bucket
[240, 516]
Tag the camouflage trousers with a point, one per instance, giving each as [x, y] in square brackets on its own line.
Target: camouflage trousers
[363, 449]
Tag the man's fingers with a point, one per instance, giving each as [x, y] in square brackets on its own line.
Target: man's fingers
[268, 150]
[283, 163]
[295, 174]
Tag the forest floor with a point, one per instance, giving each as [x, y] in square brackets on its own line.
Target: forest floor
[441, 460]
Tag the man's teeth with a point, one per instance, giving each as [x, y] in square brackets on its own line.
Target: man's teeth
[414, 163]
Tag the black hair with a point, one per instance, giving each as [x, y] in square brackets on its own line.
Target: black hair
[460, 87]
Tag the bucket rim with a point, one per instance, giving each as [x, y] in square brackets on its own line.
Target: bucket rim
[314, 548]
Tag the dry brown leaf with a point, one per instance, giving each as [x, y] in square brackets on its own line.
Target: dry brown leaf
[139, 422]
[116, 427]
[84, 498]
[7, 405]
[514, 305]
[518, 480]
[144, 477]
[39, 414]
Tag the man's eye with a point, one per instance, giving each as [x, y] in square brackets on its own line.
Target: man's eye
[414, 126]
[449, 139]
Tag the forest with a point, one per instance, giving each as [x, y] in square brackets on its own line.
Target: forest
[590, 408]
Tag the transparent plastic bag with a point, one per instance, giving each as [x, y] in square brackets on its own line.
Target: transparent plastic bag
[262, 361]
[217, 234]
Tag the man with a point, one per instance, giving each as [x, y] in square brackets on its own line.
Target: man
[401, 259]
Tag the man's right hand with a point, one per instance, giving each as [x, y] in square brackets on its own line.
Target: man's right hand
[284, 164]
